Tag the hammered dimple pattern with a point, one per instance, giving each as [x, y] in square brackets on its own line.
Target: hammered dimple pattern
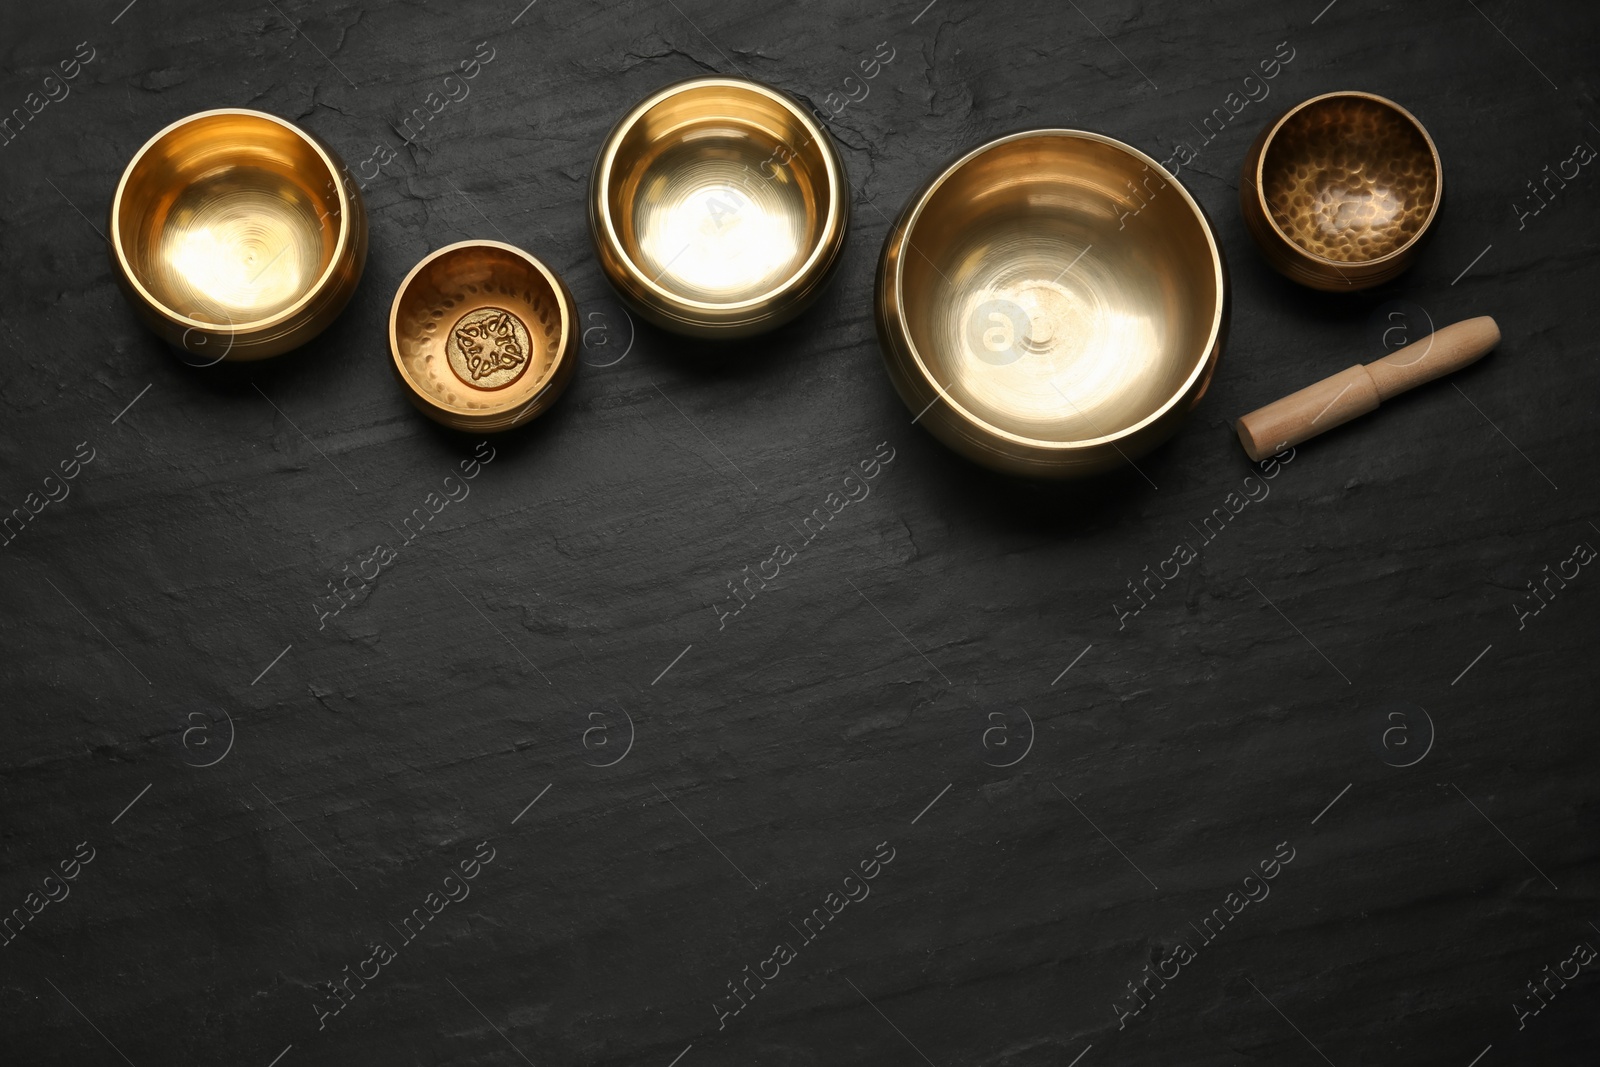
[1350, 180]
[478, 335]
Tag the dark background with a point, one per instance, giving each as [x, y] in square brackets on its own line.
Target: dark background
[167, 605]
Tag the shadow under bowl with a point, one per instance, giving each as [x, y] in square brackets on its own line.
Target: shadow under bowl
[236, 236]
[1339, 191]
[1052, 303]
[483, 335]
[718, 207]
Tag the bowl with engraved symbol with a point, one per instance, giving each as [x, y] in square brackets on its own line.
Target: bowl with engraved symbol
[483, 336]
[236, 235]
[1340, 190]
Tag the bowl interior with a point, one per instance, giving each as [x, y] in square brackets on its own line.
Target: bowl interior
[1059, 288]
[1350, 179]
[719, 194]
[478, 329]
[229, 219]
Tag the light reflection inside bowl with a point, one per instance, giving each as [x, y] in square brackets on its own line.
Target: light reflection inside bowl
[706, 238]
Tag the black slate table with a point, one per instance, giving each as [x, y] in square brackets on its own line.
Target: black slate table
[936, 794]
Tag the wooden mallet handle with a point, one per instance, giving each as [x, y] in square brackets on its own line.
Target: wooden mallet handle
[1359, 389]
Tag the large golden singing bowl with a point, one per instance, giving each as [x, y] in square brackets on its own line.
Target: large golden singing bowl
[1339, 191]
[484, 337]
[718, 207]
[1052, 303]
[236, 235]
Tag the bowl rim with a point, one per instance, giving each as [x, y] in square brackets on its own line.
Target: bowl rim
[346, 208]
[1202, 355]
[1259, 169]
[563, 299]
[826, 237]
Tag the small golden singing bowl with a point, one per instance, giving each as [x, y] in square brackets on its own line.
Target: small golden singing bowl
[718, 207]
[236, 235]
[1339, 191]
[484, 336]
[1052, 303]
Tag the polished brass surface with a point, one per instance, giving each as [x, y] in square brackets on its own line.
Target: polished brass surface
[1339, 190]
[484, 336]
[718, 207]
[236, 235]
[1052, 303]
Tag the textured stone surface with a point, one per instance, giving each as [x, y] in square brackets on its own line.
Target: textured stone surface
[470, 678]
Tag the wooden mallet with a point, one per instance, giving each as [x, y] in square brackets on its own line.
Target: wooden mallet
[1338, 399]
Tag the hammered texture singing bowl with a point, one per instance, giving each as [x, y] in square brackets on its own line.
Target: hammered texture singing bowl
[1339, 191]
[1051, 304]
[483, 336]
[718, 208]
[236, 236]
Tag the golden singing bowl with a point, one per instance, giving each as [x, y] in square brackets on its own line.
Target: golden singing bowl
[484, 337]
[1339, 190]
[1052, 303]
[236, 235]
[718, 207]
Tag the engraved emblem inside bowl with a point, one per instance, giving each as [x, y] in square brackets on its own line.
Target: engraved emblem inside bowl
[488, 347]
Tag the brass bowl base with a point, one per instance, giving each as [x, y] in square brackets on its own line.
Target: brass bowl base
[701, 227]
[238, 246]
